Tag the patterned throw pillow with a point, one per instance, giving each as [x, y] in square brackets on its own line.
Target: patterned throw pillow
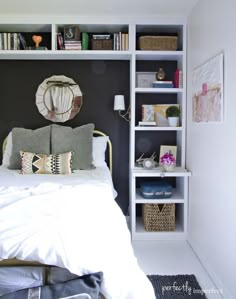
[46, 164]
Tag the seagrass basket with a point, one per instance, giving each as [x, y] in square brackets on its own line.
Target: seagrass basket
[159, 217]
[101, 44]
[158, 43]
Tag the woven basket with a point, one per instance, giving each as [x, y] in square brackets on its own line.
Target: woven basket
[159, 217]
[161, 43]
[101, 44]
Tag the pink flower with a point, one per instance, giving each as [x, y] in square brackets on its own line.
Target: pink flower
[167, 159]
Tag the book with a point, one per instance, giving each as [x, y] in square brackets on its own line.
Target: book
[147, 123]
[85, 41]
[178, 79]
[60, 41]
[162, 84]
[22, 41]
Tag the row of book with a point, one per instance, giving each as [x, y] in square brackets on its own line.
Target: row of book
[120, 41]
[10, 41]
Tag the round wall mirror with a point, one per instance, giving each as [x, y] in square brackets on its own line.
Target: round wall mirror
[59, 98]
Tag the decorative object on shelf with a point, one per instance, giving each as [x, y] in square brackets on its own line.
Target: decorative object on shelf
[37, 40]
[155, 189]
[158, 43]
[147, 113]
[168, 157]
[119, 105]
[101, 44]
[160, 75]
[160, 114]
[207, 81]
[145, 79]
[59, 98]
[71, 33]
[147, 163]
[172, 114]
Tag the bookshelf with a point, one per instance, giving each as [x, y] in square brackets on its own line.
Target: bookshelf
[140, 61]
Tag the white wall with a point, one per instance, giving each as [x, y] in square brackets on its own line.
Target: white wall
[211, 148]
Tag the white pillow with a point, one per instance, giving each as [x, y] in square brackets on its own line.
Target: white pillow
[99, 150]
[8, 151]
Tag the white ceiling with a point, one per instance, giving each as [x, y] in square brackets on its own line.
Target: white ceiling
[98, 7]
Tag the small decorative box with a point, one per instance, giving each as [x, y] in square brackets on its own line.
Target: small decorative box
[101, 44]
[156, 190]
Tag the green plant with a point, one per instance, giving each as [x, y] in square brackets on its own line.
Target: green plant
[173, 111]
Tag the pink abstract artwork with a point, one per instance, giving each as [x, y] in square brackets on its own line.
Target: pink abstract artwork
[208, 91]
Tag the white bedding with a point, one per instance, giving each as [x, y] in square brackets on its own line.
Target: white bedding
[72, 223]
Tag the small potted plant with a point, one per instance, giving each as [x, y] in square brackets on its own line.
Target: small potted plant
[172, 114]
[168, 161]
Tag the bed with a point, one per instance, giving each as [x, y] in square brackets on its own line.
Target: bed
[68, 224]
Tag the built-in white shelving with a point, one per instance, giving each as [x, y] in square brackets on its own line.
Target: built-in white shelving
[137, 59]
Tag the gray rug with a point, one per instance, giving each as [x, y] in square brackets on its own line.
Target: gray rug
[176, 287]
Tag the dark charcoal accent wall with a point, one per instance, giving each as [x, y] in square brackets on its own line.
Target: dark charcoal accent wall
[99, 82]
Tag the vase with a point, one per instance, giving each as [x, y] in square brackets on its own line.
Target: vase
[173, 121]
[168, 167]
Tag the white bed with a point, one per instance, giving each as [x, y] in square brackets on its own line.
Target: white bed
[70, 221]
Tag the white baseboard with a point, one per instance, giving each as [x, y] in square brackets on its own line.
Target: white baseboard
[214, 277]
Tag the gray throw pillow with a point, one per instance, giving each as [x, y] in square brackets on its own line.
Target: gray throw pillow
[34, 141]
[79, 140]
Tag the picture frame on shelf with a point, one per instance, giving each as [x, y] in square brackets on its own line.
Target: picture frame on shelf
[160, 114]
[148, 113]
[145, 79]
[71, 33]
[170, 149]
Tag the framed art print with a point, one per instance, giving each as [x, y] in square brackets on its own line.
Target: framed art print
[170, 149]
[207, 97]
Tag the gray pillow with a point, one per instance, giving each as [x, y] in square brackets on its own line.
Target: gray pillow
[34, 141]
[79, 140]
[84, 287]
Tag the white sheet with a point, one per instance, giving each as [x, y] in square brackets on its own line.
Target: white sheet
[70, 225]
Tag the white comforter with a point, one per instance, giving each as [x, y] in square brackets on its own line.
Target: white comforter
[77, 227]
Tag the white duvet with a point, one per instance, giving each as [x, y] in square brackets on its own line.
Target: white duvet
[78, 227]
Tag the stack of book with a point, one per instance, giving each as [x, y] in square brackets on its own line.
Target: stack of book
[162, 84]
[72, 45]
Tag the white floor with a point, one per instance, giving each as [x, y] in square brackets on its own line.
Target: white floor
[172, 258]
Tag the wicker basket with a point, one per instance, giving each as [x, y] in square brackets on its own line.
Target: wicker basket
[101, 44]
[161, 43]
[159, 217]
